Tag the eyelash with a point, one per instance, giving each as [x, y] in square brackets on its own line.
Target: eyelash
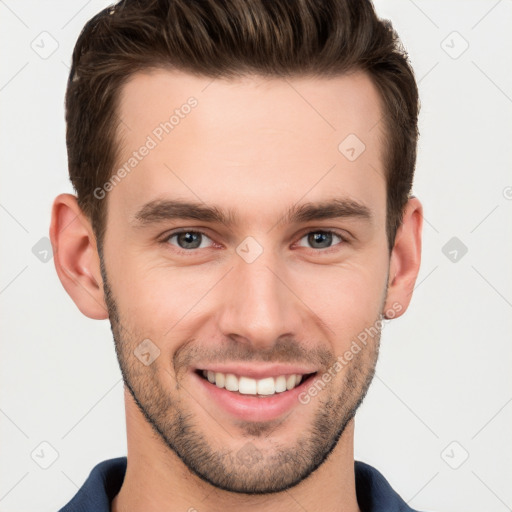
[190, 252]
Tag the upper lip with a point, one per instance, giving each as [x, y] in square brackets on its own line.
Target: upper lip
[258, 371]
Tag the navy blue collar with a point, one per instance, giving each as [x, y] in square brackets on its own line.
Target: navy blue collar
[374, 494]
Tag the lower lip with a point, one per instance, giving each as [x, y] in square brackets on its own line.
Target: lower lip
[251, 407]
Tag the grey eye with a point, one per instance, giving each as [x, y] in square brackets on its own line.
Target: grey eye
[320, 239]
[189, 239]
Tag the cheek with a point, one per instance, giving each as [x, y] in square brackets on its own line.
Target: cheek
[154, 297]
[159, 301]
[347, 298]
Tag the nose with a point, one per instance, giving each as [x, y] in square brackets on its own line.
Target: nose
[259, 304]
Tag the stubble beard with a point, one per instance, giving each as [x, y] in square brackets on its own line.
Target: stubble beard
[251, 467]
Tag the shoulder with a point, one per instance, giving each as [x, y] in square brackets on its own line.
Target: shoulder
[374, 493]
[98, 491]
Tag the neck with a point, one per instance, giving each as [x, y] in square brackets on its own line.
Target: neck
[156, 480]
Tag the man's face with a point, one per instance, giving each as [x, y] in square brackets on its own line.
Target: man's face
[263, 296]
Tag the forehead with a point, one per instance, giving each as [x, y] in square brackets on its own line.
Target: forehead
[251, 141]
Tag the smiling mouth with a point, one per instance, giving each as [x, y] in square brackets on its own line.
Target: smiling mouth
[241, 385]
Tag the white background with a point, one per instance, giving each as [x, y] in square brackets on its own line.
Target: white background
[444, 371]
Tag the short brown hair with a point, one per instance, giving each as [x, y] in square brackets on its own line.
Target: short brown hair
[230, 38]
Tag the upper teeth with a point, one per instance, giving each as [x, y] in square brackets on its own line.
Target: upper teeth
[248, 386]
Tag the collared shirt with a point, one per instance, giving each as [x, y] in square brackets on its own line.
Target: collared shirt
[374, 494]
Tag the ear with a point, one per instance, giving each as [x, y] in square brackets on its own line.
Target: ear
[76, 256]
[405, 259]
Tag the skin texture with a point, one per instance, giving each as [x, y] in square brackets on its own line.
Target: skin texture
[255, 146]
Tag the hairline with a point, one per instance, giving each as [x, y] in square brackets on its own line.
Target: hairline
[384, 137]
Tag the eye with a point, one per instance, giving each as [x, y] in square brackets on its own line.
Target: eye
[322, 239]
[187, 240]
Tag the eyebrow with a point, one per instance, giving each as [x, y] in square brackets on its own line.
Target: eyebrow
[166, 209]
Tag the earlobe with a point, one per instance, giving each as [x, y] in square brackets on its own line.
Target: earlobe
[405, 259]
[76, 257]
